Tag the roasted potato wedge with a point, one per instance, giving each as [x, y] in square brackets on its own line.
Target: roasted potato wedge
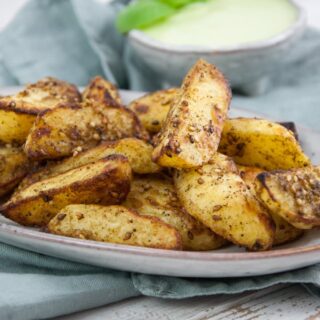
[115, 224]
[18, 112]
[101, 90]
[293, 194]
[14, 166]
[72, 128]
[284, 232]
[152, 109]
[105, 181]
[261, 143]
[155, 196]
[192, 130]
[138, 152]
[217, 196]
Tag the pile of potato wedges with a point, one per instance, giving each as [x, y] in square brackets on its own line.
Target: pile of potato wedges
[170, 170]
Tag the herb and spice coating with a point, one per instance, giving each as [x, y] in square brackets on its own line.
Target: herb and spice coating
[155, 195]
[293, 194]
[192, 130]
[218, 197]
[115, 224]
[106, 181]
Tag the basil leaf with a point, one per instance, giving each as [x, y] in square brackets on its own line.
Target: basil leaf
[142, 13]
[179, 3]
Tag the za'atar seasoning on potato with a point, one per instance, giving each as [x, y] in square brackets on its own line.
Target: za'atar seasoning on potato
[115, 224]
[293, 194]
[192, 130]
[261, 143]
[216, 195]
[72, 128]
[18, 112]
[284, 231]
[154, 195]
[138, 153]
[105, 181]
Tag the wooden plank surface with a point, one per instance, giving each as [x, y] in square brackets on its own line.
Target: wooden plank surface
[279, 302]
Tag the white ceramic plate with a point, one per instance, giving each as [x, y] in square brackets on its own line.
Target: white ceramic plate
[227, 262]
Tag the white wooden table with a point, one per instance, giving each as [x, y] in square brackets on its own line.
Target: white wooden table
[285, 302]
[279, 302]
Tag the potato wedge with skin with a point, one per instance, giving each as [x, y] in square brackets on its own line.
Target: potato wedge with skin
[18, 112]
[63, 131]
[115, 224]
[152, 108]
[217, 196]
[73, 128]
[138, 152]
[106, 181]
[99, 89]
[15, 126]
[121, 123]
[284, 232]
[192, 130]
[293, 194]
[14, 165]
[261, 143]
[155, 196]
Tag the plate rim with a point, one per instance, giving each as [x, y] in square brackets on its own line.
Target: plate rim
[173, 254]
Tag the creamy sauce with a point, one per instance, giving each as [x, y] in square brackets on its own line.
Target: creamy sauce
[225, 22]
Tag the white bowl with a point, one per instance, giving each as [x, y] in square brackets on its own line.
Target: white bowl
[248, 67]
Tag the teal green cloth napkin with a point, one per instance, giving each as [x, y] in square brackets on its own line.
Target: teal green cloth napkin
[75, 40]
[35, 286]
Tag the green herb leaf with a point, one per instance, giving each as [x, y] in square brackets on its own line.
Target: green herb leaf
[179, 3]
[143, 13]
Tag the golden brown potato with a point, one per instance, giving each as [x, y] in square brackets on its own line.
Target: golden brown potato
[155, 196]
[261, 143]
[293, 194]
[115, 224]
[192, 130]
[100, 89]
[14, 126]
[14, 166]
[105, 181]
[217, 196]
[121, 123]
[72, 128]
[18, 112]
[152, 109]
[138, 152]
[284, 232]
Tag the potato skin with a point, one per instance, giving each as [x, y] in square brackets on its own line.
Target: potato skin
[293, 194]
[261, 143]
[18, 112]
[14, 126]
[106, 181]
[192, 130]
[101, 90]
[152, 108]
[115, 224]
[217, 196]
[138, 153]
[284, 232]
[62, 131]
[14, 166]
[154, 195]
[72, 128]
